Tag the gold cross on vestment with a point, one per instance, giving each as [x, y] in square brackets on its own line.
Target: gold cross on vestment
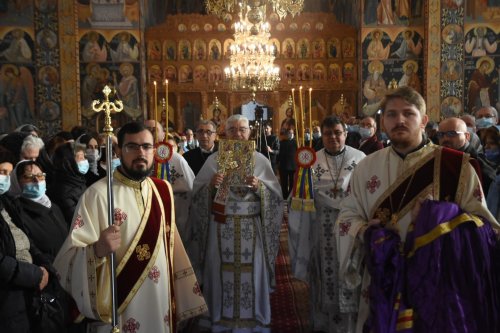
[143, 252]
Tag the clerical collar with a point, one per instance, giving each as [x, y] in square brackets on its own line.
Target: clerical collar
[337, 153]
[207, 151]
[118, 175]
[422, 144]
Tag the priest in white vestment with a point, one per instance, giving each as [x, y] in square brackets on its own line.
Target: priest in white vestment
[179, 175]
[313, 240]
[234, 249]
[411, 171]
[156, 284]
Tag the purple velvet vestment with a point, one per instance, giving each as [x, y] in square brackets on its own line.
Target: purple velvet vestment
[449, 284]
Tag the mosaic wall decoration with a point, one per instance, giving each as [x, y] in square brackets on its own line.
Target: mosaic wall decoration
[391, 58]
[47, 60]
[482, 68]
[113, 62]
[17, 80]
[452, 56]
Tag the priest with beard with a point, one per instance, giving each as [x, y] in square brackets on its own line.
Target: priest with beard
[416, 216]
[156, 287]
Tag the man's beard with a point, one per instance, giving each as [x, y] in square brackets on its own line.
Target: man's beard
[135, 174]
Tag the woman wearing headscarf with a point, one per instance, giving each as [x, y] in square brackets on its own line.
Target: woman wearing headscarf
[46, 226]
[23, 268]
[92, 155]
[70, 166]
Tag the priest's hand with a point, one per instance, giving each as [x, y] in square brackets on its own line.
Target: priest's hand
[45, 278]
[363, 228]
[253, 182]
[109, 241]
[217, 180]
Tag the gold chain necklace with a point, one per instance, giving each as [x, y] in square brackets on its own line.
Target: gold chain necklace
[335, 181]
[395, 215]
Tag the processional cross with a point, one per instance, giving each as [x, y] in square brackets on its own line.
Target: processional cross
[107, 107]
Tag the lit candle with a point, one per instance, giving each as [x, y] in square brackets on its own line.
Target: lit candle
[166, 109]
[295, 117]
[310, 117]
[155, 110]
[302, 114]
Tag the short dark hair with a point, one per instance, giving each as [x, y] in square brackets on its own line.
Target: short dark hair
[130, 128]
[332, 121]
[408, 94]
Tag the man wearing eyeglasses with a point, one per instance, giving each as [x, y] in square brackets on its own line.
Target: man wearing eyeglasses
[453, 134]
[234, 249]
[417, 216]
[205, 135]
[150, 257]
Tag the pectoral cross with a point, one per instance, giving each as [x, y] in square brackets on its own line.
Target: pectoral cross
[335, 191]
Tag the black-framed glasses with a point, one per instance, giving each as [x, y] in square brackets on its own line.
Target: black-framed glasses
[201, 132]
[449, 134]
[134, 147]
[338, 134]
[35, 176]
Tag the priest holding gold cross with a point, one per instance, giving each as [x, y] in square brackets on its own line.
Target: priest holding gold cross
[236, 215]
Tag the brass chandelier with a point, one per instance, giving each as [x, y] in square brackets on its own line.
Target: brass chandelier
[252, 57]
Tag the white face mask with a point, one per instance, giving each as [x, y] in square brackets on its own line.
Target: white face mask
[92, 155]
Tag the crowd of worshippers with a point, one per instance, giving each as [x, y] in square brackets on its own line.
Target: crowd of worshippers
[43, 181]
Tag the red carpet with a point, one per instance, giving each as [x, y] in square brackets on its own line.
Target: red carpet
[290, 300]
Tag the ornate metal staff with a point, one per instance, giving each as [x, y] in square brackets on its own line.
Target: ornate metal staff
[107, 107]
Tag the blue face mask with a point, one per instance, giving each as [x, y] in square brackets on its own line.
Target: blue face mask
[115, 163]
[4, 183]
[316, 136]
[308, 137]
[365, 132]
[353, 128]
[83, 166]
[492, 154]
[34, 190]
[484, 122]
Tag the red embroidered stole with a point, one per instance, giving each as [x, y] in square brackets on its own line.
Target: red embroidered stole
[138, 262]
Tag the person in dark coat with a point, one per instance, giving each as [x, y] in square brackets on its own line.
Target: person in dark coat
[369, 141]
[93, 156]
[453, 134]
[70, 184]
[286, 162]
[23, 268]
[46, 225]
[205, 135]
[270, 145]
